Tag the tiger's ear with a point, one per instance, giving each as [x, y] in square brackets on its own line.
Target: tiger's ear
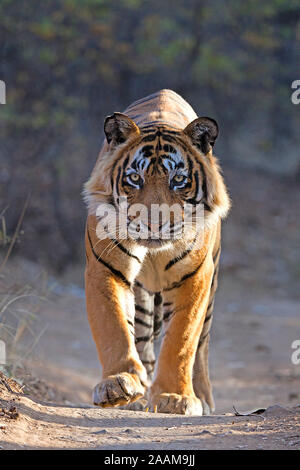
[203, 132]
[118, 127]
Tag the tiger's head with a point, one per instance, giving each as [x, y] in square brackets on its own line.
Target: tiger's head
[159, 171]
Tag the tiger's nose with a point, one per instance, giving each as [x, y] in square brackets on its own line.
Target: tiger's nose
[155, 227]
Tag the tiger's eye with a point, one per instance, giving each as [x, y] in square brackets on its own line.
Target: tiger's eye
[135, 177]
[179, 178]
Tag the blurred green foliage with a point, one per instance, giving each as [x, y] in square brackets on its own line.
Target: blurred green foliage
[69, 63]
[57, 54]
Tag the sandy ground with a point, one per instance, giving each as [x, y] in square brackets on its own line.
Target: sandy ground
[52, 426]
[256, 320]
[250, 352]
[251, 368]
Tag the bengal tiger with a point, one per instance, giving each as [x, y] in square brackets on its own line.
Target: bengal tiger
[157, 151]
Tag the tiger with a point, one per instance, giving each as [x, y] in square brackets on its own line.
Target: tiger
[158, 151]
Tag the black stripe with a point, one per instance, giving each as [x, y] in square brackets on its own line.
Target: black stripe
[197, 184]
[143, 338]
[118, 180]
[192, 200]
[181, 256]
[149, 138]
[141, 309]
[216, 254]
[148, 131]
[122, 248]
[147, 150]
[169, 148]
[154, 126]
[157, 327]
[158, 299]
[167, 315]
[186, 276]
[114, 271]
[207, 207]
[208, 318]
[169, 138]
[125, 162]
[140, 285]
[179, 141]
[204, 184]
[112, 173]
[191, 165]
[141, 322]
[168, 131]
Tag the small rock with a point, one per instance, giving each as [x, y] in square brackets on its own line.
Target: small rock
[293, 396]
[205, 431]
[102, 431]
[276, 410]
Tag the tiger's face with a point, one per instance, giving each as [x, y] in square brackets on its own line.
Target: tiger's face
[163, 175]
[158, 178]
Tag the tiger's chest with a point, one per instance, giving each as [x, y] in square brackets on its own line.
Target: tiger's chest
[164, 269]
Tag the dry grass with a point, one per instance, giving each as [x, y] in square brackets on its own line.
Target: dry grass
[20, 302]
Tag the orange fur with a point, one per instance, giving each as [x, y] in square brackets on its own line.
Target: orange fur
[113, 273]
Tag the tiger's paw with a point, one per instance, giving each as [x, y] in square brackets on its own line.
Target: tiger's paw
[139, 405]
[207, 410]
[178, 404]
[117, 390]
[208, 404]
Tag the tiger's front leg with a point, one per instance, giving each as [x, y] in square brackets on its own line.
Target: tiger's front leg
[110, 309]
[172, 390]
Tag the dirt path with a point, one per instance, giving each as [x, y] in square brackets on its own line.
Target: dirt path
[31, 424]
[250, 354]
[250, 368]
